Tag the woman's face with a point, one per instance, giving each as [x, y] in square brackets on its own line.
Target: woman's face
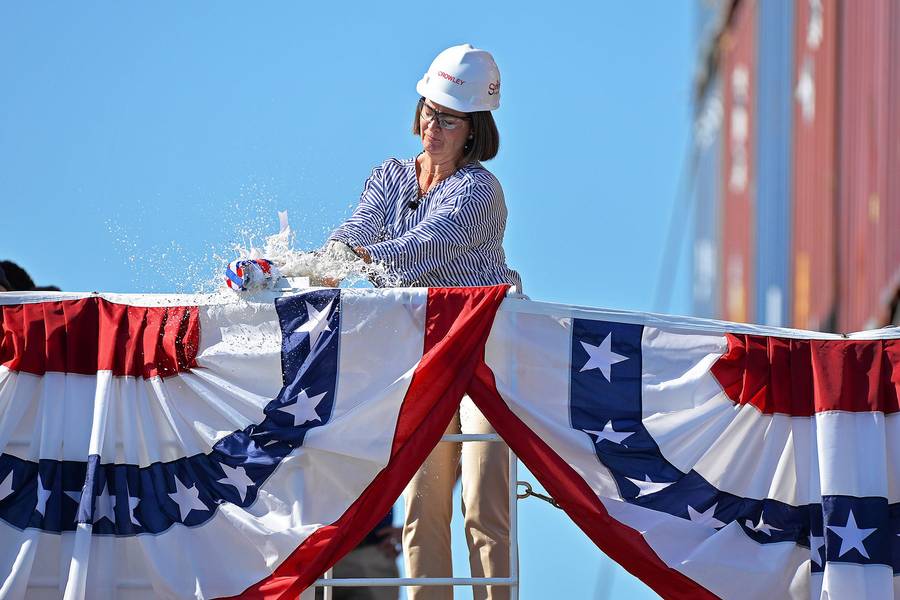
[442, 143]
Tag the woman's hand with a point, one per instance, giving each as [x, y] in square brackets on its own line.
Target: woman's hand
[326, 282]
[340, 251]
[363, 254]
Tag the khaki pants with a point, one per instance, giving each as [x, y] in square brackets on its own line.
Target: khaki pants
[485, 508]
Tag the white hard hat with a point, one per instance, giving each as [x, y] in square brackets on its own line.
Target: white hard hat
[462, 78]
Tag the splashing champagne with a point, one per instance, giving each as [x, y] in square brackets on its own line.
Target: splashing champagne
[282, 261]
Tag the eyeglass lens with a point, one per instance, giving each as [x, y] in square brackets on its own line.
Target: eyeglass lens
[444, 120]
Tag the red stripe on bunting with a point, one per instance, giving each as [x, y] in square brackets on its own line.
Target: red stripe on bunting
[92, 334]
[458, 321]
[803, 377]
[618, 541]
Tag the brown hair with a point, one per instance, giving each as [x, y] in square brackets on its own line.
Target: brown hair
[485, 142]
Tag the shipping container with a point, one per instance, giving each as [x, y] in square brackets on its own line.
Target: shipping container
[775, 49]
[814, 178]
[709, 18]
[737, 57]
[708, 151]
[864, 83]
[891, 296]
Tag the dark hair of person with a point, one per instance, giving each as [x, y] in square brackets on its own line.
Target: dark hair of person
[17, 277]
[485, 142]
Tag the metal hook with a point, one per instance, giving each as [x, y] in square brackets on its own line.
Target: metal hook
[530, 492]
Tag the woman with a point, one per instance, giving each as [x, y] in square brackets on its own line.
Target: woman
[438, 220]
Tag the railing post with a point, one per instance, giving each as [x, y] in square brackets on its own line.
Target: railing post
[513, 526]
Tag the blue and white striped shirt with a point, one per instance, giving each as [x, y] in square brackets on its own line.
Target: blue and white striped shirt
[453, 238]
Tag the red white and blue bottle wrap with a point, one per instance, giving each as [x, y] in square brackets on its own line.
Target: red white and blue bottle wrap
[250, 274]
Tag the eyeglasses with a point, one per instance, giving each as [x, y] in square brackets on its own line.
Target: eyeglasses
[444, 120]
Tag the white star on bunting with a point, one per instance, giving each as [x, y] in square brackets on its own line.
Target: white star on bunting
[852, 536]
[648, 487]
[761, 526]
[76, 498]
[253, 448]
[106, 505]
[236, 477]
[187, 499]
[610, 434]
[43, 494]
[132, 504]
[707, 517]
[601, 357]
[815, 544]
[316, 323]
[304, 409]
[6, 488]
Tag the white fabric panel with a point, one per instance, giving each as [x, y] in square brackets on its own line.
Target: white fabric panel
[685, 436]
[77, 580]
[45, 417]
[19, 399]
[724, 442]
[892, 450]
[103, 398]
[676, 370]
[64, 425]
[754, 457]
[376, 370]
[743, 567]
[143, 567]
[846, 580]
[18, 550]
[815, 586]
[148, 420]
[530, 355]
[240, 343]
[842, 439]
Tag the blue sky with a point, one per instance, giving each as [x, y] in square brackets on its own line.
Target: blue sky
[140, 141]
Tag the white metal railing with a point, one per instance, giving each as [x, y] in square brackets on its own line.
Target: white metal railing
[328, 583]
